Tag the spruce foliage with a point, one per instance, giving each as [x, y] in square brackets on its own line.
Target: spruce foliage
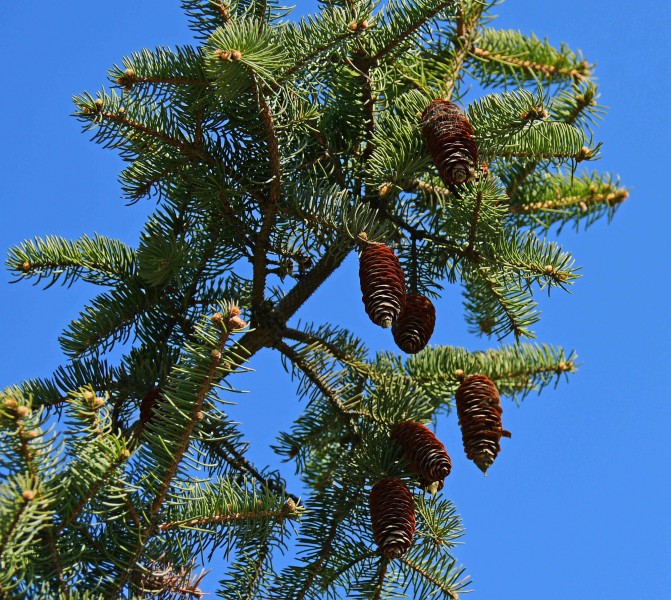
[271, 146]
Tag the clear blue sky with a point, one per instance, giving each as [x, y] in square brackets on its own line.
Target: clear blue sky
[578, 503]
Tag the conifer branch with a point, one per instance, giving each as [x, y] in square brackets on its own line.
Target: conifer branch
[402, 36]
[184, 147]
[583, 202]
[326, 550]
[437, 583]
[258, 570]
[547, 71]
[329, 393]
[179, 452]
[54, 559]
[269, 209]
[474, 223]
[91, 493]
[219, 519]
[384, 563]
[238, 461]
[12, 526]
[463, 41]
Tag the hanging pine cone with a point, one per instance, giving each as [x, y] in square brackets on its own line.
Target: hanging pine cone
[392, 512]
[414, 327]
[382, 284]
[449, 137]
[426, 454]
[479, 410]
[148, 405]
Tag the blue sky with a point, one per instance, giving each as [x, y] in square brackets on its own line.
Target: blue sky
[577, 504]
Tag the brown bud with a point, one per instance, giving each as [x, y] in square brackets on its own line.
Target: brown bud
[99, 102]
[236, 55]
[289, 505]
[549, 269]
[11, 404]
[217, 318]
[223, 54]
[122, 110]
[200, 415]
[129, 73]
[459, 373]
[353, 26]
[124, 454]
[22, 412]
[235, 323]
[216, 354]
[25, 266]
[385, 189]
[28, 495]
[364, 24]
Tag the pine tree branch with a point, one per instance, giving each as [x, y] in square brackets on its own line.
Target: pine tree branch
[237, 460]
[547, 71]
[91, 493]
[329, 393]
[464, 39]
[384, 563]
[128, 81]
[410, 30]
[269, 209]
[474, 223]
[55, 563]
[171, 471]
[219, 519]
[12, 526]
[186, 148]
[258, 570]
[437, 583]
[327, 548]
[584, 202]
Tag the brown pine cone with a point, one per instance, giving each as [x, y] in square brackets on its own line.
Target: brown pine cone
[382, 284]
[392, 512]
[479, 410]
[148, 405]
[426, 454]
[449, 137]
[414, 327]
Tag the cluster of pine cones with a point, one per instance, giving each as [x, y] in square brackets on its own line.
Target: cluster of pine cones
[412, 317]
[391, 503]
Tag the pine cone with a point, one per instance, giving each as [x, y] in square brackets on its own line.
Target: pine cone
[382, 284]
[148, 405]
[479, 410]
[414, 327]
[449, 137]
[426, 454]
[392, 512]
